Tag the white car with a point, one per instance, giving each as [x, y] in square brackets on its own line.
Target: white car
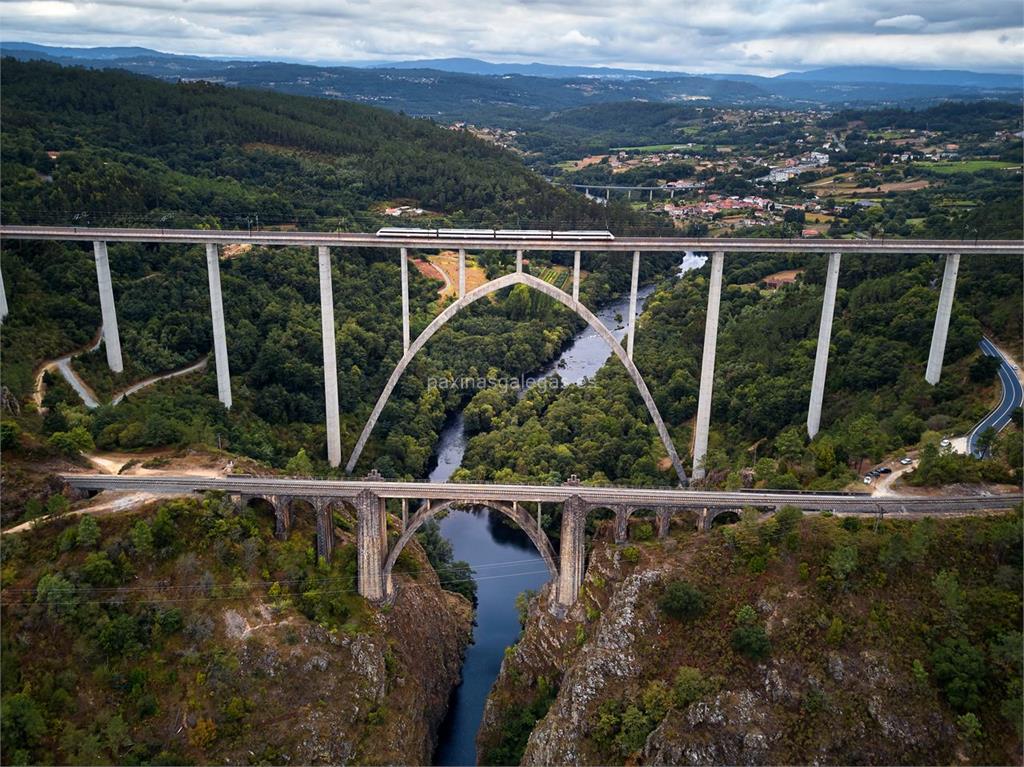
[906, 461]
[867, 480]
[945, 443]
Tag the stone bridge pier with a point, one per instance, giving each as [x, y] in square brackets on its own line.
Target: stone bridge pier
[376, 558]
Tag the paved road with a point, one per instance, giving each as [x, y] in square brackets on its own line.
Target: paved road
[370, 240]
[594, 496]
[1013, 397]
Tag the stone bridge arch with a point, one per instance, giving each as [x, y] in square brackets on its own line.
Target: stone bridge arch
[517, 514]
[519, 278]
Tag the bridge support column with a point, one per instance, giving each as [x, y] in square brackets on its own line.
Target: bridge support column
[663, 517]
[3, 298]
[570, 568]
[942, 314]
[324, 528]
[519, 262]
[405, 514]
[111, 338]
[621, 524]
[634, 280]
[707, 367]
[370, 544]
[405, 300]
[650, 195]
[828, 307]
[330, 357]
[282, 517]
[576, 277]
[462, 272]
[607, 193]
[220, 344]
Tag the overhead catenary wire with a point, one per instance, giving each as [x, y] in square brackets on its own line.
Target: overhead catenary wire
[74, 601]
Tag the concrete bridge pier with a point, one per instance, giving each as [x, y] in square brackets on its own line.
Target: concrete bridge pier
[575, 277]
[607, 193]
[650, 195]
[519, 262]
[707, 367]
[572, 551]
[828, 307]
[220, 345]
[405, 299]
[942, 314]
[330, 357]
[371, 545]
[462, 272]
[111, 338]
[3, 299]
[632, 303]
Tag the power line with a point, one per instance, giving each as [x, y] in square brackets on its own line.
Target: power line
[175, 600]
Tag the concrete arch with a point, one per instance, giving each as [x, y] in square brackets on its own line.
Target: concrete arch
[519, 278]
[518, 515]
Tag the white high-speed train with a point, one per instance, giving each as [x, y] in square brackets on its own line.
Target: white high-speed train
[495, 234]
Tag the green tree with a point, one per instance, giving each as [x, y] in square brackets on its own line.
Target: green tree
[58, 594]
[749, 637]
[23, 722]
[960, 670]
[299, 465]
[141, 536]
[682, 601]
[88, 532]
[689, 686]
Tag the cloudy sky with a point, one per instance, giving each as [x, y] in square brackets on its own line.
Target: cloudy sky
[757, 36]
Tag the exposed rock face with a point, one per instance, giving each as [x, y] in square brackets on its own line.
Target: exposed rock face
[812, 704]
[369, 698]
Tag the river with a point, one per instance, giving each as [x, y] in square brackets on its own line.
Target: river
[503, 558]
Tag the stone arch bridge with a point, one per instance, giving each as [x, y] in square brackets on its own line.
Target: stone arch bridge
[380, 536]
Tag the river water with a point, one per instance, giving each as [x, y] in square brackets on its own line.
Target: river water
[502, 556]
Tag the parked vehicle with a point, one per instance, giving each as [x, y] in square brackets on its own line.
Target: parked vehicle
[945, 443]
[906, 460]
[885, 470]
[868, 480]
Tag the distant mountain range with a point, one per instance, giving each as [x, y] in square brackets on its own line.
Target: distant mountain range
[470, 89]
[845, 74]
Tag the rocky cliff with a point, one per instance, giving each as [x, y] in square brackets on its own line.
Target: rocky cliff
[183, 632]
[787, 641]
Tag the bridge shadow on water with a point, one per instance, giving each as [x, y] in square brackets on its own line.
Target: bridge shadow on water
[506, 564]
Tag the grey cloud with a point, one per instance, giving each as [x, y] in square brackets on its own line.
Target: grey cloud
[724, 35]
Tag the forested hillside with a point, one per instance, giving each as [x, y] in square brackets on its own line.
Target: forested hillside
[135, 151]
[876, 398]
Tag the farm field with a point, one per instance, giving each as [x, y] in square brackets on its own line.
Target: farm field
[969, 166]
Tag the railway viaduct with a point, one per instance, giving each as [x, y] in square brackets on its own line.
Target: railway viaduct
[381, 537]
[324, 241]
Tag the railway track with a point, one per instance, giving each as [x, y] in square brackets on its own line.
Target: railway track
[592, 496]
